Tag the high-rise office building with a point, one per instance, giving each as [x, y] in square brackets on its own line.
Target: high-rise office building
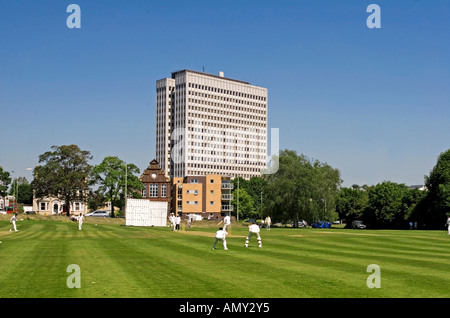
[208, 124]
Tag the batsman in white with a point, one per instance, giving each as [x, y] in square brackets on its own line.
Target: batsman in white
[13, 222]
[226, 222]
[253, 230]
[221, 234]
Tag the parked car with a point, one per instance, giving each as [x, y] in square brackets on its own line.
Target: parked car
[103, 214]
[2, 212]
[251, 221]
[301, 223]
[321, 225]
[358, 225]
[29, 212]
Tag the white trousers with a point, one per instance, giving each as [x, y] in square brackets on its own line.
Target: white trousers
[224, 241]
[13, 227]
[258, 237]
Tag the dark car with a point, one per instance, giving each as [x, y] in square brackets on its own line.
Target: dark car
[358, 225]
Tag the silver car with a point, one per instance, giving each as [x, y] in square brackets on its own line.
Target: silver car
[103, 214]
[358, 225]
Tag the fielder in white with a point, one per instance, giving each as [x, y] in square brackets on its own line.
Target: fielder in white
[80, 221]
[268, 222]
[172, 222]
[448, 225]
[177, 222]
[253, 230]
[13, 222]
[221, 234]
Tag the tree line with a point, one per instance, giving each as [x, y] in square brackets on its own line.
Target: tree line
[19, 188]
[64, 172]
[305, 189]
[301, 189]
[393, 205]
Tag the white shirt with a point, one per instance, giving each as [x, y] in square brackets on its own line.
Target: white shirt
[226, 220]
[13, 219]
[178, 220]
[221, 234]
[254, 228]
[80, 219]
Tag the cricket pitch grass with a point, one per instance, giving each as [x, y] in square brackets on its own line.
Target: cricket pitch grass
[116, 261]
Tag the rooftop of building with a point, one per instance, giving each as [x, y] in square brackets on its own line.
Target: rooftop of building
[210, 75]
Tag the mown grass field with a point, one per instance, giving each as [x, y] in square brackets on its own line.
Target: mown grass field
[117, 261]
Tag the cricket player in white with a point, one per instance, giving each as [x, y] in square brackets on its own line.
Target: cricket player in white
[80, 221]
[226, 222]
[177, 222]
[268, 222]
[253, 230]
[13, 222]
[172, 222]
[221, 234]
[448, 225]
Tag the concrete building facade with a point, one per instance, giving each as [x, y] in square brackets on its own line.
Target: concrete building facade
[208, 124]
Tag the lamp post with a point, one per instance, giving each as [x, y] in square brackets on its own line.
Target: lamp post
[237, 207]
[126, 186]
[15, 189]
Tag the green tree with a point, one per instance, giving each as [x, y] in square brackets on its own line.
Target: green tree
[286, 196]
[412, 202]
[25, 193]
[240, 183]
[95, 200]
[436, 205]
[5, 180]
[22, 190]
[351, 203]
[254, 187]
[301, 189]
[63, 174]
[326, 181]
[386, 205]
[243, 203]
[111, 175]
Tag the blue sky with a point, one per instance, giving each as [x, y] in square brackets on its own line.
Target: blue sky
[373, 103]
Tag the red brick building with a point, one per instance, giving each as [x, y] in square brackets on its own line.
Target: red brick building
[157, 186]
